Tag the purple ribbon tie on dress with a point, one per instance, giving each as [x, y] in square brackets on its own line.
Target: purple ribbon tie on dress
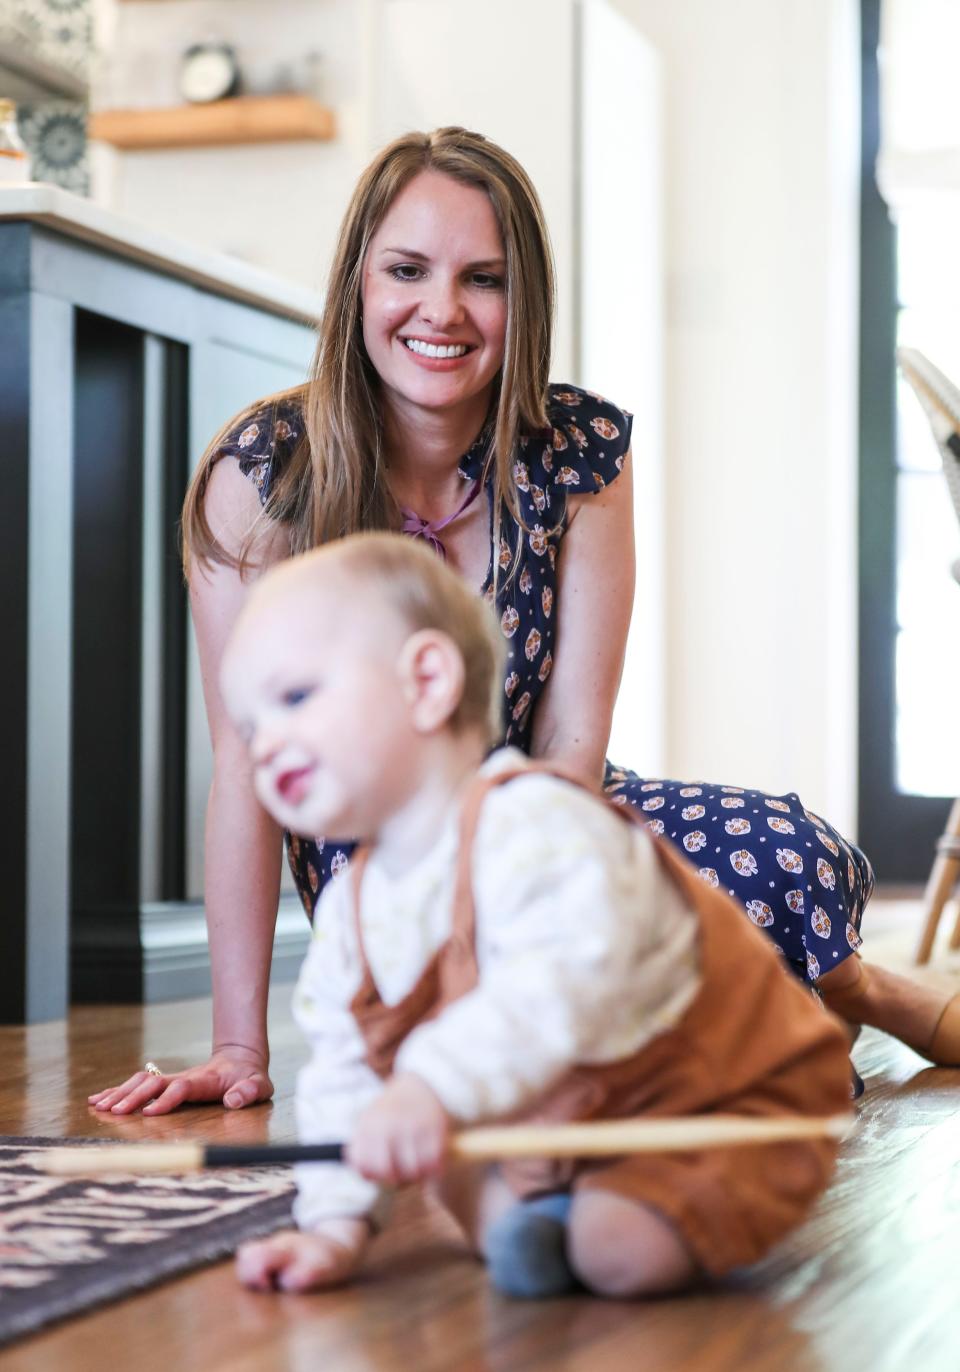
[417, 527]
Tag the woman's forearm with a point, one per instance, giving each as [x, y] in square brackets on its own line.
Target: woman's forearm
[574, 714]
[580, 754]
[242, 883]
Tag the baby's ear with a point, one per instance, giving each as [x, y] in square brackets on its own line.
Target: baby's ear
[432, 676]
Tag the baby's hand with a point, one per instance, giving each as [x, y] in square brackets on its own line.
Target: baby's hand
[403, 1135]
[294, 1261]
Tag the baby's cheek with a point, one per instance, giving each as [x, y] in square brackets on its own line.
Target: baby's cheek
[265, 794]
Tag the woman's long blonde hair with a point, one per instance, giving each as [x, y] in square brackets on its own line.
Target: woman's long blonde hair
[334, 483]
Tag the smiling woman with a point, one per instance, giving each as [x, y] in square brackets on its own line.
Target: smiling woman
[429, 388]
[445, 314]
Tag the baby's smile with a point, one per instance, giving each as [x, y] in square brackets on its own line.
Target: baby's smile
[293, 784]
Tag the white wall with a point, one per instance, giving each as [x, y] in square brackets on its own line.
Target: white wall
[277, 205]
[761, 158]
[620, 326]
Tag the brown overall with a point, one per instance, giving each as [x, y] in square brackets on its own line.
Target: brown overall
[752, 1042]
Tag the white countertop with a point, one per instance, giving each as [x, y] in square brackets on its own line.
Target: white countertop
[76, 217]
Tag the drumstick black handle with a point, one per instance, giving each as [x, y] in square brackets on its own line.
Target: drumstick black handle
[258, 1155]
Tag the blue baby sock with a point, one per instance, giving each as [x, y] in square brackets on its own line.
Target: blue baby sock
[526, 1248]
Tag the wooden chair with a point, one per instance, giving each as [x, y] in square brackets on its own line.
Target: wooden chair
[940, 399]
[944, 877]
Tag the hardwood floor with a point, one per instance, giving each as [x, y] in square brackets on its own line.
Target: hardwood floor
[870, 1284]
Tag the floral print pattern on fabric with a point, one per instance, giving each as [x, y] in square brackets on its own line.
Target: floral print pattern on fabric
[808, 893]
[794, 875]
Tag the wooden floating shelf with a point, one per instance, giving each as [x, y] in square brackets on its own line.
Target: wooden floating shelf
[242, 119]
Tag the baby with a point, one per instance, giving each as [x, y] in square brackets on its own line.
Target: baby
[505, 944]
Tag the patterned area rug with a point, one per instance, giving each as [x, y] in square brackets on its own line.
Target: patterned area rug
[68, 1244]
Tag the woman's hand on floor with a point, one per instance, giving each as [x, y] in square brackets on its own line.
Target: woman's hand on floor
[237, 1077]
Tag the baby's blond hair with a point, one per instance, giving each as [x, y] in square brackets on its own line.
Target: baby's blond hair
[426, 594]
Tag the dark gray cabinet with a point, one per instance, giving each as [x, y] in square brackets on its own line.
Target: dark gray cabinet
[114, 373]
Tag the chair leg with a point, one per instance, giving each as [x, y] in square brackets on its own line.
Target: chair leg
[943, 877]
[955, 936]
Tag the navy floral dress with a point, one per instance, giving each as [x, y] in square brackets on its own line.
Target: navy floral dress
[794, 875]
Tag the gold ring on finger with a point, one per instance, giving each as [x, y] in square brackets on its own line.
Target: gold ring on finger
[153, 1069]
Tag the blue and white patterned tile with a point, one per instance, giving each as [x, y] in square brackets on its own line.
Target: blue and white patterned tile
[55, 133]
[59, 31]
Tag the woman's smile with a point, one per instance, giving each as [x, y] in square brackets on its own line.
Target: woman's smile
[436, 354]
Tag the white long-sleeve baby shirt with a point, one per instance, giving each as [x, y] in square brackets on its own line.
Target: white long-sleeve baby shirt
[585, 947]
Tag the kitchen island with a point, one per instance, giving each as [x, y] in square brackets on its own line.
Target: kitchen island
[122, 351]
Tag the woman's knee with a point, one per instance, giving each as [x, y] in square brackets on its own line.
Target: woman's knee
[618, 1247]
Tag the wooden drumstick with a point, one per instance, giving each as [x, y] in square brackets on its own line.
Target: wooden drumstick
[590, 1140]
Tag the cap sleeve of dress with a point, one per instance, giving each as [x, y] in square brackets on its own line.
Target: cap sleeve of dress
[589, 440]
[262, 441]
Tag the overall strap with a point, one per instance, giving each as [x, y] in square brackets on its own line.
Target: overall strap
[355, 871]
[464, 909]
[463, 923]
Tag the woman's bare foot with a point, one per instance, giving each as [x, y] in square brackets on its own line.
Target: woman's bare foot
[294, 1261]
[922, 1016]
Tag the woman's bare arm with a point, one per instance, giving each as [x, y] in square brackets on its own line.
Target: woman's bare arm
[596, 572]
[243, 845]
